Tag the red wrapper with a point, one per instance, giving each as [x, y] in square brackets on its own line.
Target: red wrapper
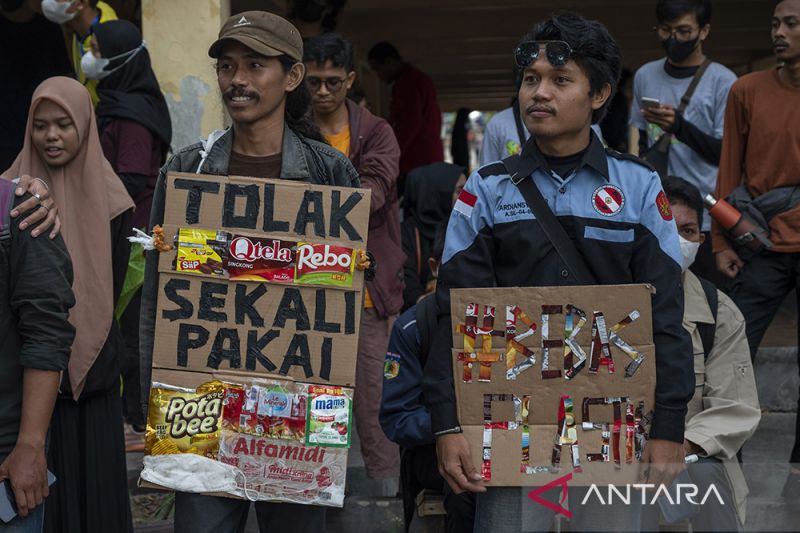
[255, 259]
[324, 264]
[265, 412]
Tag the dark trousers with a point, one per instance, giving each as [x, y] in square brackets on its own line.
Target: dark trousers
[419, 470]
[712, 516]
[758, 291]
[198, 513]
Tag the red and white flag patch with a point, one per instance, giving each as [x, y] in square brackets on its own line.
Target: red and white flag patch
[608, 200]
[465, 203]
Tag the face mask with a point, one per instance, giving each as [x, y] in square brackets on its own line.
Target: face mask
[187, 472]
[688, 252]
[55, 11]
[94, 67]
[677, 50]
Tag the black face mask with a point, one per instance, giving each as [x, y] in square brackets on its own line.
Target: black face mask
[678, 51]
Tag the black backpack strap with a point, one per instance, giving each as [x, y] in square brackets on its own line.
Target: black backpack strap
[708, 331]
[518, 122]
[687, 96]
[547, 220]
[427, 320]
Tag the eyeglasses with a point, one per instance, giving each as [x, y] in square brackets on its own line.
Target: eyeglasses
[332, 84]
[556, 52]
[683, 33]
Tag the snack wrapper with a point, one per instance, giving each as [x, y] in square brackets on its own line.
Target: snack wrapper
[257, 259]
[280, 470]
[201, 251]
[330, 416]
[325, 264]
[181, 420]
[276, 411]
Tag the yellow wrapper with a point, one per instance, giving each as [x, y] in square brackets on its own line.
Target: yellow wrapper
[183, 420]
[200, 251]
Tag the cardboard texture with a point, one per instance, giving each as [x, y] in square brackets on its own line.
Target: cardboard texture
[287, 326]
[206, 323]
[615, 302]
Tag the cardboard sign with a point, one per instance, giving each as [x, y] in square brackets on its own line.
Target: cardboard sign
[551, 380]
[206, 322]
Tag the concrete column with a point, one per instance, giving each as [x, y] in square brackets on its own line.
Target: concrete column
[178, 34]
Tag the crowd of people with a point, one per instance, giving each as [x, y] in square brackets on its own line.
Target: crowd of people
[89, 163]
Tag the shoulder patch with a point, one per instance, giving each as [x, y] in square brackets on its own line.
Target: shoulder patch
[630, 157]
[391, 365]
[492, 169]
[664, 209]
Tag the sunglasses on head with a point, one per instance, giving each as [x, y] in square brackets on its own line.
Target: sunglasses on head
[556, 52]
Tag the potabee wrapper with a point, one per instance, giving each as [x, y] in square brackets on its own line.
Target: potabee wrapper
[181, 420]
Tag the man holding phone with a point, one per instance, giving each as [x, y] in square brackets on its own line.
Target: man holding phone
[694, 133]
[35, 342]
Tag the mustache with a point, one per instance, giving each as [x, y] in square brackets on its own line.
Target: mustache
[539, 107]
[234, 92]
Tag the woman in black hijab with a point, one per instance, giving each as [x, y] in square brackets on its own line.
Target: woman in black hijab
[135, 132]
[132, 114]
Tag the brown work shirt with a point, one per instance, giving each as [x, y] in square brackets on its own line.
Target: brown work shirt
[761, 148]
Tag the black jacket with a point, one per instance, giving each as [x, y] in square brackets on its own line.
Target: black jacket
[35, 298]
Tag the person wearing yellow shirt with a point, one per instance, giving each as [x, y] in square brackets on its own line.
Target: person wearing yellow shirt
[79, 17]
[371, 146]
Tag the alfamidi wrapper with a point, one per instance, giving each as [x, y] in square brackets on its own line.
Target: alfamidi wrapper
[181, 420]
[286, 471]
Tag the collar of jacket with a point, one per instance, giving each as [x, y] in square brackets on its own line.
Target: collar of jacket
[595, 157]
[294, 165]
[696, 308]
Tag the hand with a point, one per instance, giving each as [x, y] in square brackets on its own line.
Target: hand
[662, 116]
[729, 263]
[45, 210]
[455, 464]
[26, 469]
[690, 448]
[662, 461]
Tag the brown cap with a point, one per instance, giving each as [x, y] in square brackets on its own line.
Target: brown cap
[263, 32]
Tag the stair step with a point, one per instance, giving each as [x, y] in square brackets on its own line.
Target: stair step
[777, 378]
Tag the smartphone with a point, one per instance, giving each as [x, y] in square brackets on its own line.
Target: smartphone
[650, 102]
[8, 507]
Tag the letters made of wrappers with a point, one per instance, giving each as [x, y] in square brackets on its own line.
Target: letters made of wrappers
[478, 354]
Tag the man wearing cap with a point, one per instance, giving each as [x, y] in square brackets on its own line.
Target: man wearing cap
[260, 75]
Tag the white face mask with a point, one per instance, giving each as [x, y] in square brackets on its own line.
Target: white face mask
[187, 472]
[688, 252]
[94, 67]
[56, 11]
